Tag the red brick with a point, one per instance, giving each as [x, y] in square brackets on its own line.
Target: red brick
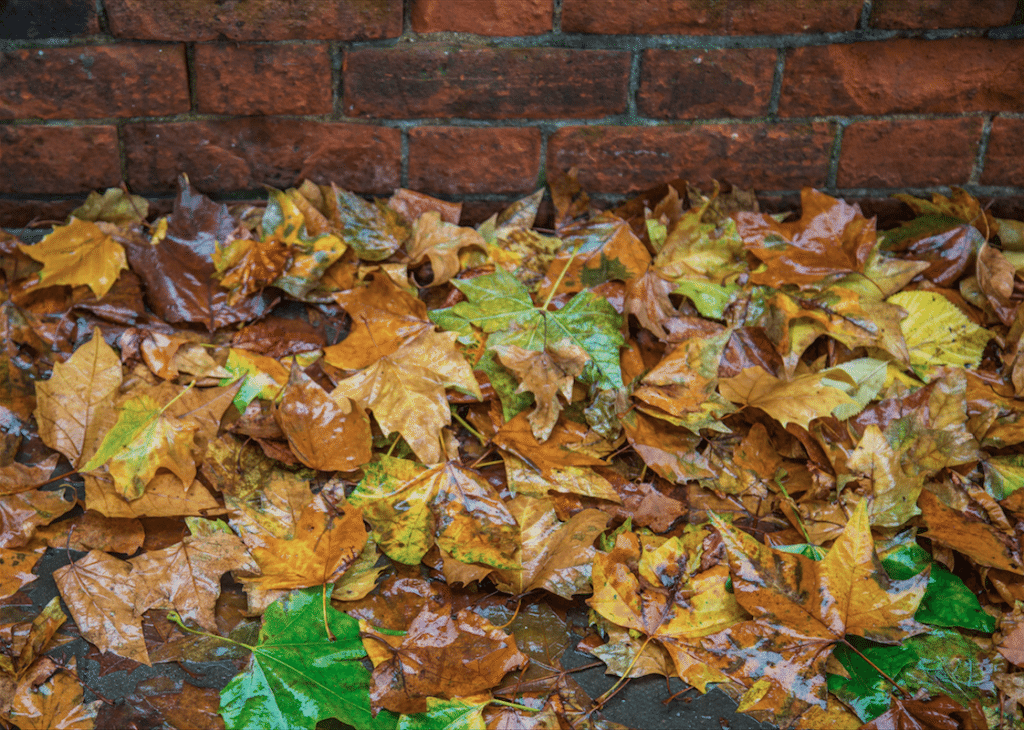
[691, 84]
[881, 153]
[941, 13]
[1004, 161]
[430, 80]
[37, 159]
[461, 160]
[762, 156]
[255, 20]
[484, 17]
[242, 154]
[904, 75]
[93, 82]
[263, 79]
[709, 17]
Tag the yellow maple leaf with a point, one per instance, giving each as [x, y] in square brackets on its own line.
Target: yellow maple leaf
[79, 253]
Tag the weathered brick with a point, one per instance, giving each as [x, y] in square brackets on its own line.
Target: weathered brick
[93, 82]
[690, 84]
[484, 17]
[263, 79]
[709, 17]
[37, 159]
[241, 154]
[1004, 161]
[48, 18]
[430, 80]
[762, 156]
[904, 75]
[255, 20]
[941, 13]
[881, 153]
[461, 160]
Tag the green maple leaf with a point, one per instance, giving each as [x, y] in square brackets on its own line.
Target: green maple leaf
[453, 714]
[501, 306]
[298, 675]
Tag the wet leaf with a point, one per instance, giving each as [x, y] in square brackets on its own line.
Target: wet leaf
[299, 674]
[937, 333]
[81, 252]
[440, 243]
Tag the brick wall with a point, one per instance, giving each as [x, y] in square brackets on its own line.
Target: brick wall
[477, 100]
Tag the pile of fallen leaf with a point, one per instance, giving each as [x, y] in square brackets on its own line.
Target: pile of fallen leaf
[776, 455]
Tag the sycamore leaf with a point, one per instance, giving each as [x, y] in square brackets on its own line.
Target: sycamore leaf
[441, 243]
[384, 317]
[801, 607]
[579, 480]
[501, 306]
[689, 607]
[74, 405]
[699, 251]
[373, 230]
[553, 555]
[442, 654]
[453, 714]
[145, 439]
[683, 384]
[79, 253]
[16, 570]
[409, 507]
[115, 205]
[322, 547]
[546, 374]
[57, 703]
[265, 377]
[937, 332]
[831, 237]
[894, 491]
[99, 590]
[324, 433]
[300, 674]
[186, 576]
[594, 251]
[799, 400]
[405, 390]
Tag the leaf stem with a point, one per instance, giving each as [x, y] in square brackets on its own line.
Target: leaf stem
[175, 619]
[561, 275]
[625, 675]
[874, 666]
[513, 705]
[465, 425]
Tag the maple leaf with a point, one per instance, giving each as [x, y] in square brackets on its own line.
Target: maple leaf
[305, 668]
[799, 400]
[384, 318]
[501, 306]
[79, 253]
[56, 703]
[669, 605]
[552, 555]
[325, 433]
[100, 590]
[405, 390]
[17, 570]
[440, 654]
[114, 205]
[145, 439]
[937, 332]
[831, 237]
[73, 406]
[802, 608]
[186, 576]
[545, 374]
[408, 507]
[683, 384]
[246, 266]
[441, 243]
[373, 230]
[592, 252]
[323, 545]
